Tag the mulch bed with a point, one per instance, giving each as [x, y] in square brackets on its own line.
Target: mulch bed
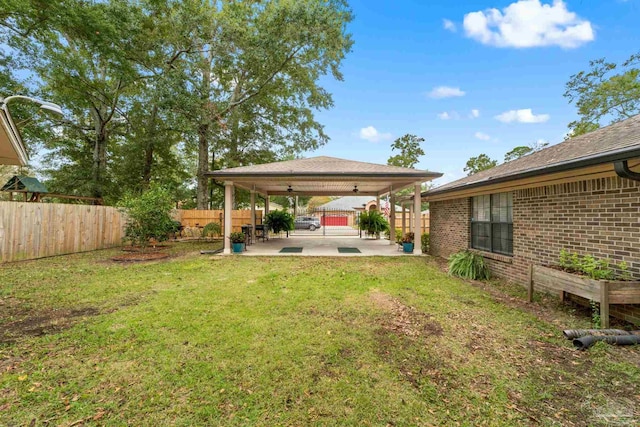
[140, 256]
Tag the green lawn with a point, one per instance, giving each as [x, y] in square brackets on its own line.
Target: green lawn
[292, 341]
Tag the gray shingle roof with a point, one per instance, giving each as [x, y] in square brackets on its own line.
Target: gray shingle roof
[599, 146]
[321, 165]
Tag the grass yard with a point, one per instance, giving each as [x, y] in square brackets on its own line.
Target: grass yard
[293, 341]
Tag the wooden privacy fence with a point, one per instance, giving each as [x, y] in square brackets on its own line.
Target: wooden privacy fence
[200, 218]
[36, 230]
[424, 222]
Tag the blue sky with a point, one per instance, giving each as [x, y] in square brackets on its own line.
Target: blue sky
[517, 56]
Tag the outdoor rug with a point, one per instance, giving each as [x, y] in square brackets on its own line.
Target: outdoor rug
[291, 250]
[349, 250]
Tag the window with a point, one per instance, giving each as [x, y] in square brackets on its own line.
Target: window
[492, 223]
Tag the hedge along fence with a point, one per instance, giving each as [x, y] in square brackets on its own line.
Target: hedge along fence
[37, 230]
[199, 218]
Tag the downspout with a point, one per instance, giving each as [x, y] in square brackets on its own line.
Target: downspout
[622, 169]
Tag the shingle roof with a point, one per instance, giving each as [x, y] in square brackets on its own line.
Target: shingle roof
[599, 146]
[349, 203]
[321, 165]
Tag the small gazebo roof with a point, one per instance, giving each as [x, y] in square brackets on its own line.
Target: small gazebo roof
[24, 184]
[323, 175]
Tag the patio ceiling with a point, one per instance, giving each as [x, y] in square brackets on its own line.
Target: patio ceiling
[323, 176]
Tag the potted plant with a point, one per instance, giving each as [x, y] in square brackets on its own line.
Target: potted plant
[237, 241]
[407, 243]
[374, 223]
[278, 221]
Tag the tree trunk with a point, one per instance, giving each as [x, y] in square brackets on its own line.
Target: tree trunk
[202, 192]
[99, 164]
[148, 150]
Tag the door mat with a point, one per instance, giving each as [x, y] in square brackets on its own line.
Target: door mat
[291, 250]
[349, 250]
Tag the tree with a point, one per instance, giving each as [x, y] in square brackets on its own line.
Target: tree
[148, 216]
[479, 163]
[523, 150]
[607, 91]
[410, 151]
[267, 54]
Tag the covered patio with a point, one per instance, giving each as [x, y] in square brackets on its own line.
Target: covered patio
[323, 246]
[323, 176]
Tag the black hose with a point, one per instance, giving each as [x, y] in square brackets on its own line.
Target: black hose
[577, 333]
[585, 342]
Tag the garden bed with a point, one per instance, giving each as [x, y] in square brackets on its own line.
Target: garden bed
[605, 292]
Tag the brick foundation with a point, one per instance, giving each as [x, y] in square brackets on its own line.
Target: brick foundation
[599, 217]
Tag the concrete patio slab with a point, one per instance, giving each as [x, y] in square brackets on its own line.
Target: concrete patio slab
[323, 246]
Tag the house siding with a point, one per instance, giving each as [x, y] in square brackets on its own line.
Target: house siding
[599, 217]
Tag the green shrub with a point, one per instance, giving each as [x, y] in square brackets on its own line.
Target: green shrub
[425, 241]
[148, 216]
[213, 229]
[278, 221]
[468, 265]
[237, 237]
[589, 266]
[398, 236]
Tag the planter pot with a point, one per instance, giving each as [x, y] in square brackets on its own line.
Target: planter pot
[237, 247]
[407, 248]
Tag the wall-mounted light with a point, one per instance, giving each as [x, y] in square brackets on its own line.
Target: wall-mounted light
[355, 189]
[289, 190]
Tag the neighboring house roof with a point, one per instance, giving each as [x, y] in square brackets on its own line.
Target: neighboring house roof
[24, 184]
[346, 203]
[12, 150]
[350, 203]
[616, 142]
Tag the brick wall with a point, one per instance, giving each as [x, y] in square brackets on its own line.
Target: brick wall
[600, 217]
[451, 231]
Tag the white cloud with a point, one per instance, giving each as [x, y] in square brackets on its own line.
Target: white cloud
[371, 134]
[475, 113]
[522, 116]
[445, 92]
[529, 23]
[482, 136]
[449, 25]
[445, 115]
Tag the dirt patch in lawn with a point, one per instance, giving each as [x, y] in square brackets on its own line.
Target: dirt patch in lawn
[18, 321]
[140, 256]
[403, 340]
[403, 319]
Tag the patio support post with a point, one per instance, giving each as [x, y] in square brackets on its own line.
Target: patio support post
[253, 212]
[378, 203]
[417, 217]
[228, 205]
[266, 206]
[392, 218]
[404, 218]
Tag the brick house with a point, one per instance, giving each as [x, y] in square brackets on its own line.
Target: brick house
[582, 195]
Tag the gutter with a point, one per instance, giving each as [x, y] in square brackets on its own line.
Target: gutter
[614, 156]
[341, 175]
